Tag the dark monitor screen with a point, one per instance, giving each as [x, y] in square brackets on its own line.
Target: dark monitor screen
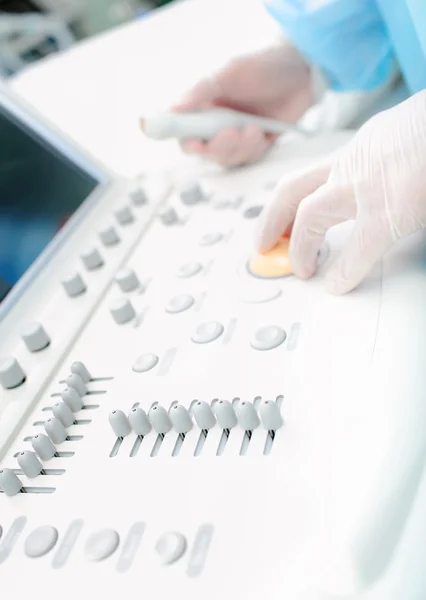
[40, 188]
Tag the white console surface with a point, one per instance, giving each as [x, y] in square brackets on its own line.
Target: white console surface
[328, 504]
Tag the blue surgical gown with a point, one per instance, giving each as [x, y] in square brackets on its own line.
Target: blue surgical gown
[358, 43]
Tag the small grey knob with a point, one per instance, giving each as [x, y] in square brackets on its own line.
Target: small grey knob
[73, 399]
[180, 418]
[43, 446]
[30, 464]
[139, 421]
[35, 337]
[191, 193]
[127, 280]
[168, 216]
[10, 482]
[11, 373]
[92, 259]
[138, 195]
[55, 430]
[160, 420]
[120, 423]
[76, 382]
[122, 311]
[74, 285]
[63, 413]
[204, 415]
[247, 416]
[270, 415]
[109, 236]
[78, 368]
[124, 215]
[225, 414]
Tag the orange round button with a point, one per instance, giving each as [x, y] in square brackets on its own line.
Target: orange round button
[273, 263]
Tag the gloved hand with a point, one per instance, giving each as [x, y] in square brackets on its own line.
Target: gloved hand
[378, 179]
[273, 83]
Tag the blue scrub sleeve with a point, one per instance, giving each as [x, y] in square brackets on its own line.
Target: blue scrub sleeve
[346, 39]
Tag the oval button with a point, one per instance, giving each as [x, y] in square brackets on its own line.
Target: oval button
[268, 338]
[145, 362]
[102, 544]
[207, 332]
[179, 303]
[41, 541]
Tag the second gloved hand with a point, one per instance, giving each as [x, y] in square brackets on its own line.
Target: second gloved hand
[378, 180]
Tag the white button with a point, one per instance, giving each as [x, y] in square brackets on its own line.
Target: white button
[11, 373]
[204, 415]
[78, 368]
[257, 293]
[179, 416]
[10, 482]
[63, 412]
[30, 464]
[124, 215]
[74, 285]
[268, 338]
[35, 337]
[102, 544]
[41, 541]
[55, 430]
[160, 420]
[207, 332]
[180, 303]
[144, 363]
[92, 259]
[109, 236]
[139, 421]
[247, 416]
[191, 193]
[189, 270]
[120, 424]
[211, 238]
[75, 381]
[270, 415]
[73, 399]
[225, 414]
[170, 547]
[43, 446]
[122, 311]
[168, 216]
[127, 280]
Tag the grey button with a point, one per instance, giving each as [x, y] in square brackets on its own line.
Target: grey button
[204, 415]
[55, 430]
[259, 292]
[170, 547]
[211, 238]
[78, 368]
[200, 548]
[63, 412]
[68, 542]
[225, 414]
[124, 215]
[92, 259]
[120, 424]
[75, 382]
[41, 541]
[74, 285]
[181, 421]
[122, 311]
[168, 216]
[11, 373]
[73, 399]
[130, 547]
[189, 270]
[139, 421]
[160, 420]
[30, 464]
[207, 332]
[191, 193]
[43, 446]
[268, 338]
[35, 337]
[102, 544]
[109, 236]
[270, 415]
[180, 303]
[10, 482]
[138, 195]
[144, 363]
[11, 538]
[127, 280]
[247, 416]
[252, 212]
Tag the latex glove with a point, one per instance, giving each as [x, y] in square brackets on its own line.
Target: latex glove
[275, 83]
[378, 179]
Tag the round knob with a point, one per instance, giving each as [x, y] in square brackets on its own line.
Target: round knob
[78, 368]
[75, 381]
[74, 285]
[35, 337]
[270, 415]
[109, 236]
[92, 259]
[247, 416]
[168, 216]
[127, 280]
[30, 464]
[10, 482]
[11, 373]
[160, 420]
[138, 195]
[180, 419]
[204, 415]
[139, 421]
[63, 413]
[124, 215]
[120, 423]
[225, 414]
[73, 399]
[43, 446]
[191, 193]
[55, 430]
[122, 311]
[170, 547]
